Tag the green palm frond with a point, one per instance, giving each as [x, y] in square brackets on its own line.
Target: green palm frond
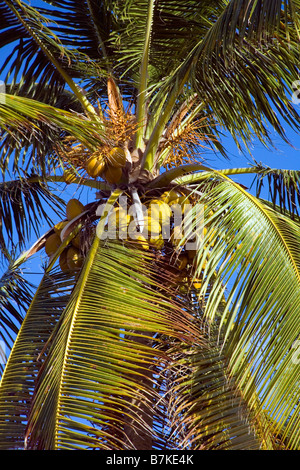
[107, 378]
[27, 354]
[20, 58]
[220, 56]
[15, 296]
[59, 57]
[32, 129]
[283, 187]
[43, 40]
[236, 76]
[24, 205]
[17, 112]
[250, 255]
[208, 411]
[27, 147]
[88, 26]
[132, 350]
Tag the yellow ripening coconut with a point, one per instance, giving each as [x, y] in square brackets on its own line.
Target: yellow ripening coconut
[59, 226]
[74, 208]
[169, 196]
[69, 176]
[113, 175]
[181, 262]
[180, 201]
[113, 217]
[185, 202]
[152, 226]
[157, 242]
[95, 166]
[141, 241]
[74, 258]
[124, 221]
[118, 222]
[160, 211]
[53, 242]
[119, 217]
[63, 261]
[197, 283]
[117, 157]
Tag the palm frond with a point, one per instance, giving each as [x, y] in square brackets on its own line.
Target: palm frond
[118, 309]
[35, 27]
[142, 88]
[17, 112]
[208, 411]
[283, 187]
[17, 383]
[237, 59]
[37, 131]
[280, 187]
[15, 296]
[24, 205]
[20, 58]
[254, 251]
[29, 145]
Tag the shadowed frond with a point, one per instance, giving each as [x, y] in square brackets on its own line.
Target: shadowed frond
[103, 355]
[250, 255]
[207, 409]
[18, 381]
[283, 188]
[24, 205]
[15, 296]
[235, 70]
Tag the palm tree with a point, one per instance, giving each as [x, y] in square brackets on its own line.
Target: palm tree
[184, 338]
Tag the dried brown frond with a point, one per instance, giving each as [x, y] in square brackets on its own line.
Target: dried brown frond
[114, 98]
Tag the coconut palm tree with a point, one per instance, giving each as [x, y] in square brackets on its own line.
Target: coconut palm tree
[167, 316]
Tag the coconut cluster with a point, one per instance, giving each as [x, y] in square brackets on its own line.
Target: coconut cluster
[71, 258]
[149, 231]
[108, 166]
[159, 231]
[104, 164]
